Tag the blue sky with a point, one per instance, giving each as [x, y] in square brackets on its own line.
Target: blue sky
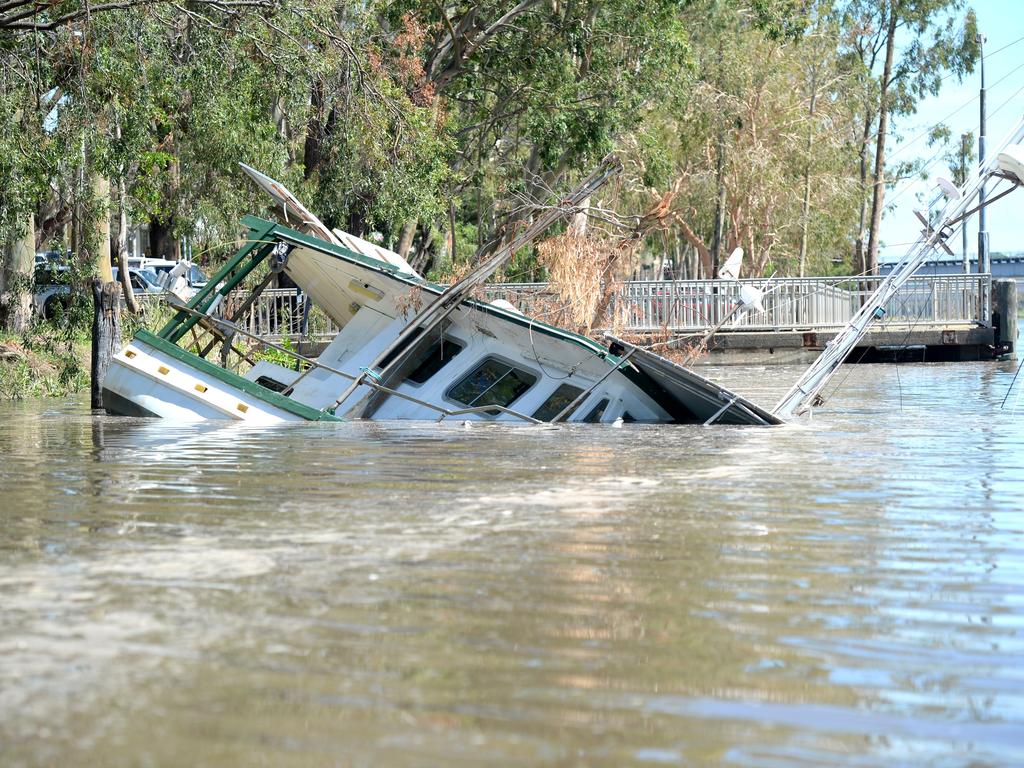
[1002, 22]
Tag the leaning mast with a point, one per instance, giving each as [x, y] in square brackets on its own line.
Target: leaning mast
[806, 393]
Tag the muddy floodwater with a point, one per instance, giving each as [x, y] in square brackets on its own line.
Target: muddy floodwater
[844, 591]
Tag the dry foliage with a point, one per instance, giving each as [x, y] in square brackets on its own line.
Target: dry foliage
[410, 303]
[583, 269]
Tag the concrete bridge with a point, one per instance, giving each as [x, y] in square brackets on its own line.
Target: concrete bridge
[1004, 265]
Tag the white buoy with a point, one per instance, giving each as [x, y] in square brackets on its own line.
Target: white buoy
[752, 296]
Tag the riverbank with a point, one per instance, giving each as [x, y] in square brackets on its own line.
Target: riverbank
[45, 362]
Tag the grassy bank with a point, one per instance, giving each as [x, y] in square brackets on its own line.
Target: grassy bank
[52, 358]
[46, 361]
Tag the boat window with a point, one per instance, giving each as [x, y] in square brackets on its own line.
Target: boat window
[559, 399]
[628, 418]
[428, 361]
[433, 359]
[596, 412]
[493, 382]
[272, 384]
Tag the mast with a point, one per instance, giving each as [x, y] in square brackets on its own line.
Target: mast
[805, 394]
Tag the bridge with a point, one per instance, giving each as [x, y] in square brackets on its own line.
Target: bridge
[934, 317]
[1004, 265]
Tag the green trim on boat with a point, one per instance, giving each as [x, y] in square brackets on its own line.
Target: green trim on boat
[177, 326]
[233, 379]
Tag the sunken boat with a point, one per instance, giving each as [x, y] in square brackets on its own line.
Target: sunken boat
[410, 349]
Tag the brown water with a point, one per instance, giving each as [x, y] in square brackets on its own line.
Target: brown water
[846, 591]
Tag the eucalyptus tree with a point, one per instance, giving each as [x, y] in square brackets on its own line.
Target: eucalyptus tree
[528, 92]
[916, 43]
[753, 150]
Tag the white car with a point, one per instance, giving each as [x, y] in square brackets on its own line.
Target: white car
[143, 281]
[193, 276]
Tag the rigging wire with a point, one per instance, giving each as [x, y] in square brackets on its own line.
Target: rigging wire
[1010, 388]
[935, 158]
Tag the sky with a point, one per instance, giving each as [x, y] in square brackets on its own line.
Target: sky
[957, 105]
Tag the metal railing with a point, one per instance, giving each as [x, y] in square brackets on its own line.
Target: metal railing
[812, 303]
[789, 304]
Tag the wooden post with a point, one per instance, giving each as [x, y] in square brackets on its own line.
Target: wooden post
[1004, 316]
[106, 333]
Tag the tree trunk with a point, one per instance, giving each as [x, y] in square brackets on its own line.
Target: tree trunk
[716, 238]
[312, 149]
[703, 253]
[578, 221]
[859, 260]
[878, 197]
[101, 228]
[405, 239]
[121, 239]
[16, 279]
[805, 207]
[121, 247]
[451, 230]
[106, 334]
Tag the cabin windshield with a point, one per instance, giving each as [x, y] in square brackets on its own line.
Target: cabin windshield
[433, 359]
[596, 412]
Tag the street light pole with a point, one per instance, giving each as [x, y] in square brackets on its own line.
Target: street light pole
[964, 255]
[983, 259]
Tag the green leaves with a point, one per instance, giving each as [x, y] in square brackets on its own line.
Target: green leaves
[384, 115]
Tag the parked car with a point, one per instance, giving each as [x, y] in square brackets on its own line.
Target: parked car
[52, 285]
[193, 276]
[143, 281]
[53, 290]
[52, 257]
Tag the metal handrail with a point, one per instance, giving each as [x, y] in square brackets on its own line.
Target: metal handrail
[235, 328]
[794, 303]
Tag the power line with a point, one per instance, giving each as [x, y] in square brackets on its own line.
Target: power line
[990, 54]
[1000, 50]
[906, 144]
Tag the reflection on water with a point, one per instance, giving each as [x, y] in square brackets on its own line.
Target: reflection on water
[847, 590]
